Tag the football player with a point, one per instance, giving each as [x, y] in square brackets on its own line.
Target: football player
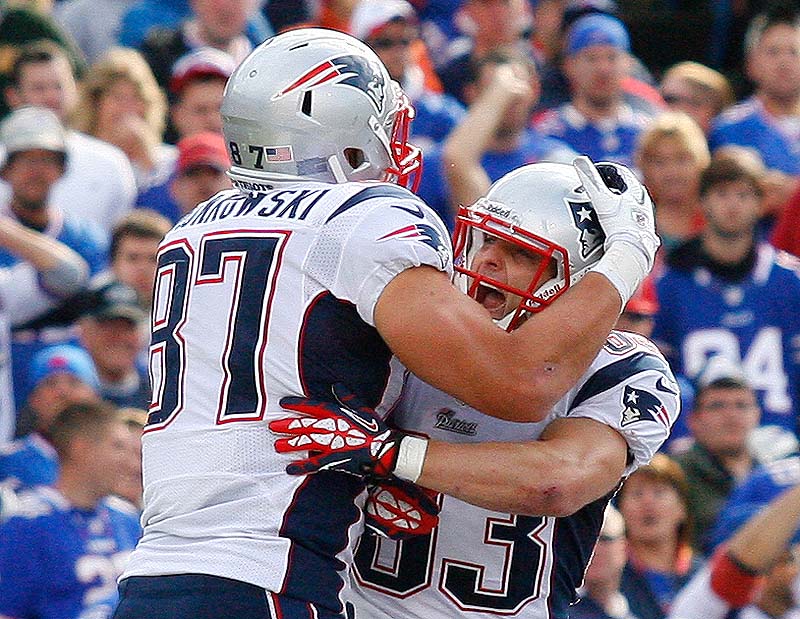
[524, 502]
[309, 273]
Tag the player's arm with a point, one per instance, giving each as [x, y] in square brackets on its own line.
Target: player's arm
[574, 462]
[61, 269]
[466, 144]
[446, 339]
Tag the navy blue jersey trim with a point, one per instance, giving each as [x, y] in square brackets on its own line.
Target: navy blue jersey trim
[613, 374]
[379, 191]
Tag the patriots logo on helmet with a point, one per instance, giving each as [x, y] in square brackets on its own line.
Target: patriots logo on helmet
[585, 219]
[641, 405]
[425, 233]
[356, 71]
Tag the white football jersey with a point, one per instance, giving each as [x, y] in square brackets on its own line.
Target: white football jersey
[481, 563]
[257, 297]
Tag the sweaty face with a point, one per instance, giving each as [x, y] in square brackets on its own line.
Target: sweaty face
[508, 264]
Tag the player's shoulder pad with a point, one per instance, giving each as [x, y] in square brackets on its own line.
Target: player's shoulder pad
[623, 356]
[371, 192]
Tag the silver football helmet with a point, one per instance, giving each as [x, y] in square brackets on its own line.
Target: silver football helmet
[316, 104]
[543, 208]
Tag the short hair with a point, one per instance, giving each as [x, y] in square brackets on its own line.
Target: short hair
[141, 223]
[38, 52]
[779, 13]
[710, 82]
[677, 126]
[729, 165]
[86, 419]
[664, 469]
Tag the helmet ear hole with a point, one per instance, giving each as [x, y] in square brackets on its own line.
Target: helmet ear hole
[305, 107]
[355, 157]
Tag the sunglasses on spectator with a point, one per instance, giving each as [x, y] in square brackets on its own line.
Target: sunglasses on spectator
[388, 43]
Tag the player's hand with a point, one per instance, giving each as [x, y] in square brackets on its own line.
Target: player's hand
[338, 436]
[625, 212]
[399, 510]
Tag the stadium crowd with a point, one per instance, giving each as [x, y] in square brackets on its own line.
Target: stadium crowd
[111, 132]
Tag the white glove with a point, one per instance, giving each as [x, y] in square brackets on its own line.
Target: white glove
[625, 212]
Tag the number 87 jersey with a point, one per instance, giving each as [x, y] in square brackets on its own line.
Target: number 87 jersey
[481, 563]
[259, 296]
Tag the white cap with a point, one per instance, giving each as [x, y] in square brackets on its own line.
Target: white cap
[31, 128]
[371, 15]
[721, 368]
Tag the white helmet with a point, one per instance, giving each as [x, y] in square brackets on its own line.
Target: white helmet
[543, 208]
[316, 104]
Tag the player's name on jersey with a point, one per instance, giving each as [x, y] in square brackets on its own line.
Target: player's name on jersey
[286, 204]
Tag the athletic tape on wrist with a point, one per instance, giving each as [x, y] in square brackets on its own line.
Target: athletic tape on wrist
[411, 457]
[622, 264]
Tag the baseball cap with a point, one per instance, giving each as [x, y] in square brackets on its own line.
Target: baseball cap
[596, 29]
[723, 371]
[370, 16]
[202, 149]
[62, 358]
[203, 62]
[31, 128]
[113, 299]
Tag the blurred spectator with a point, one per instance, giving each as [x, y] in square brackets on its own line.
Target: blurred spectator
[698, 90]
[20, 26]
[671, 154]
[488, 26]
[220, 24]
[785, 234]
[725, 413]
[199, 174]
[120, 103]
[36, 155]
[98, 184]
[600, 595]
[151, 15]
[58, 377]
[637, 83]
[112, 333]
[196, 86]
[492, 139]
[93, 24]
[63, 547]
[390, 27]
[639, 312]
[769, 121]
[47, 271]
[725, 293]
[129, 484]
[755, 570]
[653, 501]
[134, 245]
[597, 121]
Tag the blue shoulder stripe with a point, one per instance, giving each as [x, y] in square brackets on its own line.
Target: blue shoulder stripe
[615, 373]
[379, 191]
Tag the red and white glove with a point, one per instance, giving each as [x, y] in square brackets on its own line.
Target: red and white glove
[399, 510]
[345, 436]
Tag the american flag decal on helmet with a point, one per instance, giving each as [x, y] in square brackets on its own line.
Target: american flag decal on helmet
[355, 71]
[641, 405]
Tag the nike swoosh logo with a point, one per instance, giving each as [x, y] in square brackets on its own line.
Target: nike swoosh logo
[661, 386]
[416, 211]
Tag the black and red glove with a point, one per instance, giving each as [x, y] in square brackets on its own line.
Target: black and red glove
[339, 436]
[399, 510]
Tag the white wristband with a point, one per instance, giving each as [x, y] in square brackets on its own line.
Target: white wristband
[625, 266]
[411, 457]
